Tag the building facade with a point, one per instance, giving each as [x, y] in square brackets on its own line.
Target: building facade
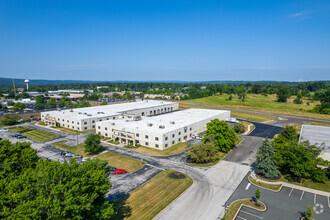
[162, 131]
[86, 118]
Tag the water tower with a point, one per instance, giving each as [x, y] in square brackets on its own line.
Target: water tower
[27, 84]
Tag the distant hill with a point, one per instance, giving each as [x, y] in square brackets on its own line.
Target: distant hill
[20, 82]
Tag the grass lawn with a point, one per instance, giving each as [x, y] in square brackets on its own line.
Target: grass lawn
[274, 187]
[153, 196]
[34, 134]
[266, 104]
[306, 183]
[246, 126]
[242, 115]
[71, 131]
[234, 207]
[80, 149]
[175, 149]
[120, 161]
[317, 124]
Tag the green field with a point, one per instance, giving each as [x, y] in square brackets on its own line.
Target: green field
[242, 115]
[34, 134]
[120, 161]
[268, 104]
[175, 149]
[79, 149]
[71, 131]
[152, 197]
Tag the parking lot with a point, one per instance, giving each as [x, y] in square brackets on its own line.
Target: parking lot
[289, 203]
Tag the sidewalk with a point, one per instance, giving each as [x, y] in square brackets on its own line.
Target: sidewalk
[315, 191]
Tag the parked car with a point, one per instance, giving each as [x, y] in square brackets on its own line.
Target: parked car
[15, 135]
[66, 154]
[0, 139]
[119, 171]
[20, 136]
[36, 119]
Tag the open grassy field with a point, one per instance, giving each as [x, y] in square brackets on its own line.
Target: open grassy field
[317, 124]
[234, 207]
[120, 161]
[268, 104]
[242, 115]
[80, 149]
[33, 134]
[153, 196]
[175, 149]
[71, 131]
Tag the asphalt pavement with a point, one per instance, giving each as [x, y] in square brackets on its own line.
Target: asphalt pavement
[287, 204]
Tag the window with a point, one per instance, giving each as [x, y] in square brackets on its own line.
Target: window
[173, 135]
[72, 122]
[85, 123]
[67, 121]
[147, 144]
[173, 142]
[72, 127]
[179, 133]
[166, 145]
[100, 119]
[59, 119]
[68, 126]
[137, 135]
[85, 128]
[106, 129]
[146, 136]
[93, 126]
[136, 142]
[107, 118]
[166, 138]
[156, 145]
[156, 138]
[93, 121]
[62, 119]
[114, 118]
[150, 112]
[142, 114]
[77, 123]
[190, 129]
[98, 127]
[106, 134]
[179, 139]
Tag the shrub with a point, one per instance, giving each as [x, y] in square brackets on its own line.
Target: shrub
[203, 153]
[239, 128]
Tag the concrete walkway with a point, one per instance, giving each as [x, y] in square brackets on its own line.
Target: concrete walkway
[315, 191]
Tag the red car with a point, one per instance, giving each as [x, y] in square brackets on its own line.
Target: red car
[36, 119]
[119, 171]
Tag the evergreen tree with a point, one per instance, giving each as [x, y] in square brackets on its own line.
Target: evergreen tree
[265, 160]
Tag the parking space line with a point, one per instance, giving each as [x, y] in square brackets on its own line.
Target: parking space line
[290, 192]
[248, 185]
[241, 217]
[314, 198]
[302, 195]
[251, 214]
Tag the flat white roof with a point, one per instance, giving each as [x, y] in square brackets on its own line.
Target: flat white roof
[180, 118]
[107, 110]
[317, 135]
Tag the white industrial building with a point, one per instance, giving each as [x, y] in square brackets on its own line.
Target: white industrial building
[160, 131]
[86, 118]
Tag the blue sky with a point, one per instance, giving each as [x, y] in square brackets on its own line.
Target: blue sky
[165, 40]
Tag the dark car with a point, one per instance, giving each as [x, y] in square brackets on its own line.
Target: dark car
[15, 135]
[0, 139]
[21, 136]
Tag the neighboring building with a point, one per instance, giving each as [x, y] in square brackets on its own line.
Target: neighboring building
[28, 103]
[86, 118]
[156, 96]
[160, 131]
[318, 135]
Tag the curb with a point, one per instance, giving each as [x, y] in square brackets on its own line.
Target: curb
[265, 187]
[246, 206]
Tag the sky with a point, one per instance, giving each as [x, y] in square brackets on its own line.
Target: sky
[155, 40]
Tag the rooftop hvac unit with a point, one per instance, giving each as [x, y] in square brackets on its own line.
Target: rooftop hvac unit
[149, 125]
[100, 112]
[172, 122]
[71, 110]
[113, 123]
[85, 113]
[162, 126]
[89, 115]
[79, 113]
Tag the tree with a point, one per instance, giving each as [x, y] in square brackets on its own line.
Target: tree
[93, 144]
[309, 213]
[257, 194]
[283, 94]
[10, 119]
[10, 103]
[298, 99]
[104, 103]
[220, 133]
[289, 133]
[265, 163]
[52, 103]
[40, 189]
[239, 128]
[202, 153]
[19, 106]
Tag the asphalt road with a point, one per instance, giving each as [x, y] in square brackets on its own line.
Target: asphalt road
[288, 204]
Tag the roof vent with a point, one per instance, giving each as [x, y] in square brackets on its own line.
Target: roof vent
[79, 113]
[85, 113]
[149, 125]
[71, 110]
[162, 126]
[172, 122]
[89, 115]
[113, 123]
[100, 112]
